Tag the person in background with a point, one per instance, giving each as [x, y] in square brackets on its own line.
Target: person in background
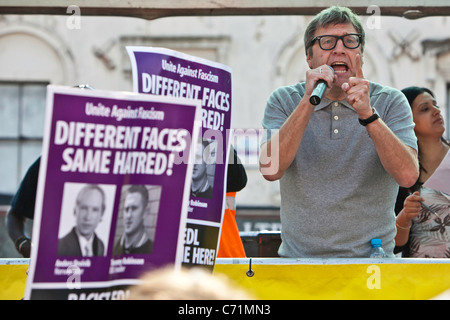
[424, 231]
[230, 245]
[22, 208]
[340, 162]
[23, 203]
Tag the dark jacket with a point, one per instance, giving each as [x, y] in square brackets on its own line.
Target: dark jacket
[69, 245]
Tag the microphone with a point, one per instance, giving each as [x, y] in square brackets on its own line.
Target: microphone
[319, 89]
[317, 93]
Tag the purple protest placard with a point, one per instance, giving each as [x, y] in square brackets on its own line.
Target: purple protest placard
[160, 71]
[112, 193]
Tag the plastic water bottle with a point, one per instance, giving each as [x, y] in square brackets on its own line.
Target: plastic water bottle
[377, 251]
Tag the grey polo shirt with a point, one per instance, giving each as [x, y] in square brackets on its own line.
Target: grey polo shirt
[336, 196]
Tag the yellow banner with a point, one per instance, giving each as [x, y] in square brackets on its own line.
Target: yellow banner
[12, 281]
[360, 281]
[279, 279]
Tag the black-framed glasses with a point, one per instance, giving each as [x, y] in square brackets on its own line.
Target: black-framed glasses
[328, 42]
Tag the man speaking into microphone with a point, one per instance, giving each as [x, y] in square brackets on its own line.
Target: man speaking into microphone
[340, 155]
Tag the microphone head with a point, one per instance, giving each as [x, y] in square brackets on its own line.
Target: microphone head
[314, 100]
[332, 69]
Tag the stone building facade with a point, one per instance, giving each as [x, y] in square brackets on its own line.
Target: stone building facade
[264, 52]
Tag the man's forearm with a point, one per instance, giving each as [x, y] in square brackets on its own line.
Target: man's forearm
[15, 226]
[398, 159]
[16, 230]
[278, 153]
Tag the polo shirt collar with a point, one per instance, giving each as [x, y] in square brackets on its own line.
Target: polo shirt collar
[325, 102]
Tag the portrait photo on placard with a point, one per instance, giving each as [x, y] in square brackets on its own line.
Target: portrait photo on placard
[85, 221]
[137, 218]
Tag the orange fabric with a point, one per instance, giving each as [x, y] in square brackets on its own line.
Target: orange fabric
[230, 245]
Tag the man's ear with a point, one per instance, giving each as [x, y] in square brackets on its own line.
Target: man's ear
[308, 60]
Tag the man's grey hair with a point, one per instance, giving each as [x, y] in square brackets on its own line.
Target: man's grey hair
[333, 16]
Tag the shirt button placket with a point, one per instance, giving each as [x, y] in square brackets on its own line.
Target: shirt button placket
[335, 123]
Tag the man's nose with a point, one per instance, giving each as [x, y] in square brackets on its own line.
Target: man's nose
[339, 47]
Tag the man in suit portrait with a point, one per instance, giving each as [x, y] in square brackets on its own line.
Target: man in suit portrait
[82, 239]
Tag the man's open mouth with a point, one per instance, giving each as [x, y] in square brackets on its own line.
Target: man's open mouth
[339, 67]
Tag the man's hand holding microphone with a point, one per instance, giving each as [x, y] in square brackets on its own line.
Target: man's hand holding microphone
[317, 81]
